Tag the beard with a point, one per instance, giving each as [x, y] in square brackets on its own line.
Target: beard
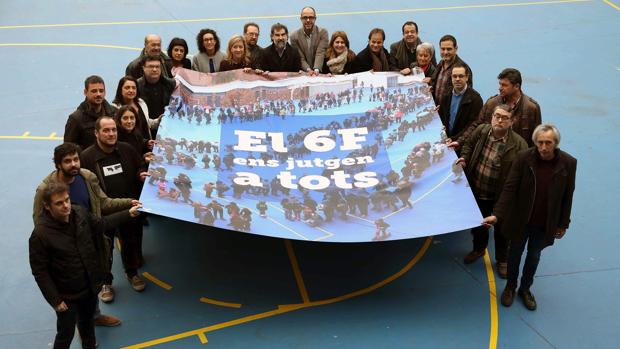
[71, 173]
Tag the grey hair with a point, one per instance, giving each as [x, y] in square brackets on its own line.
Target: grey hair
[544, 128]
[426, 46]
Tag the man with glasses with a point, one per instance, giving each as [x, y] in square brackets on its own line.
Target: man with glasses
[251, 32]
[154, 88]
[459, 109]
[152, 46]
[525, 110]
[487, 156]
[310, 41]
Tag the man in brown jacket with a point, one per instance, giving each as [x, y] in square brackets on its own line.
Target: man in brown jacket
[525, 110]
[534, 207]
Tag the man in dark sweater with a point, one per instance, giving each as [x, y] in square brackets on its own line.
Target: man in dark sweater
[80, 126]
[155, 89]
[120, 171]
[534, 208]
[67, 262]
[280, 56]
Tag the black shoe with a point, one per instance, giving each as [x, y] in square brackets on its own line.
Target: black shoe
[528, 299]
[508, 296]
[472, 256]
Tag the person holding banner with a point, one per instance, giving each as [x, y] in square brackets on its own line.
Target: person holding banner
[487, 156]
[374, 57]
[210, 57]
[237, 56]
[280, 56]
[534, 208]
[339, 57]
[310, 41]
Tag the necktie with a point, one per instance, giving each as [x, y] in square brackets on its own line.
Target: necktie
[211, 65]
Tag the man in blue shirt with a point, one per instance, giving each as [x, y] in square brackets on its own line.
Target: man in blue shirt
[461, 107]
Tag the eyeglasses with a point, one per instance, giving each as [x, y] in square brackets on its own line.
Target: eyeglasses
[308, 18]
[501, 117]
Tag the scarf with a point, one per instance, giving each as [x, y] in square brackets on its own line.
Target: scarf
[379, 63]
[336, 64]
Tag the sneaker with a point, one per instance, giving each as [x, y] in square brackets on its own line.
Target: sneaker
[106, 294]
[107, 321]
[502, 269]
[472, 256]
[137, 283]
[508, 296]
[528, 299]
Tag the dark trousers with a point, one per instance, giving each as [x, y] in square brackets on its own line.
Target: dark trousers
[481, 233]
[80, 311]
[535, 240]
[130, 236]
[109, 236]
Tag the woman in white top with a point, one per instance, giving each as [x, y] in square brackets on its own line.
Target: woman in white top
[127, 94]
[209, 58]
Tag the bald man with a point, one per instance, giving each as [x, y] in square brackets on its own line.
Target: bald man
[152, 46]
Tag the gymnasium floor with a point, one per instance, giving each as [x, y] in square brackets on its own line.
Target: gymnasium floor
[230, 290]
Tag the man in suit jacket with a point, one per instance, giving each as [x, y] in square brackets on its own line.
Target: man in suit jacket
[310, 41]
[459, 109]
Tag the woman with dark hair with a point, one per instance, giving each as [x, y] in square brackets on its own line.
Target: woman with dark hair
[237, 56]
[127, 94]
[128, 126]
[338, 56]
[209, 58]
[177, 51]
[374, 57]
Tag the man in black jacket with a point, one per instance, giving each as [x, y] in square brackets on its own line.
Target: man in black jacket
[67, 262]
[459, 109]
[155, 89]
[280, 56]
[152, 47]
[120, 171]
[80, 126]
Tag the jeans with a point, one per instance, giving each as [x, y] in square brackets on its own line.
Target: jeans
[535, 239]
[481, 233]
[80, 311]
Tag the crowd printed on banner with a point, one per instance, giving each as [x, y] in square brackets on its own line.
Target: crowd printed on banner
[358, 158]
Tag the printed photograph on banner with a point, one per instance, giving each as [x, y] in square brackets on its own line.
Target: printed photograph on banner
[352, 158]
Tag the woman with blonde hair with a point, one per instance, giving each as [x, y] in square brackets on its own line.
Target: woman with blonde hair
[338, 56]
[237, 56]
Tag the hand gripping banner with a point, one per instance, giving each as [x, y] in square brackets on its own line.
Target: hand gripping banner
[352, 158]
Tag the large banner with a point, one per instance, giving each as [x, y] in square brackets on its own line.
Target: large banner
[350, 158]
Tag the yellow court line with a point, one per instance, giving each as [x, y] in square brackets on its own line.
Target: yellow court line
[295, 265]
[220, 303]
[203, 338]
[157, 282]
[241, 18]
[612, 4]
[286, 308]
[71, 45]
[26, 134]
[492, 301]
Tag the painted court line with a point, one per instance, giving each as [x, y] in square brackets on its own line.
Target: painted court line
[246, 18]
[282, 309]
[157, 282]
[492, 301]
[612, 4]
[298, 277]
[70, 45]
[220, 303]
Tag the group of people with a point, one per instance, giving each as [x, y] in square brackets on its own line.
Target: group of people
[522, 181]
